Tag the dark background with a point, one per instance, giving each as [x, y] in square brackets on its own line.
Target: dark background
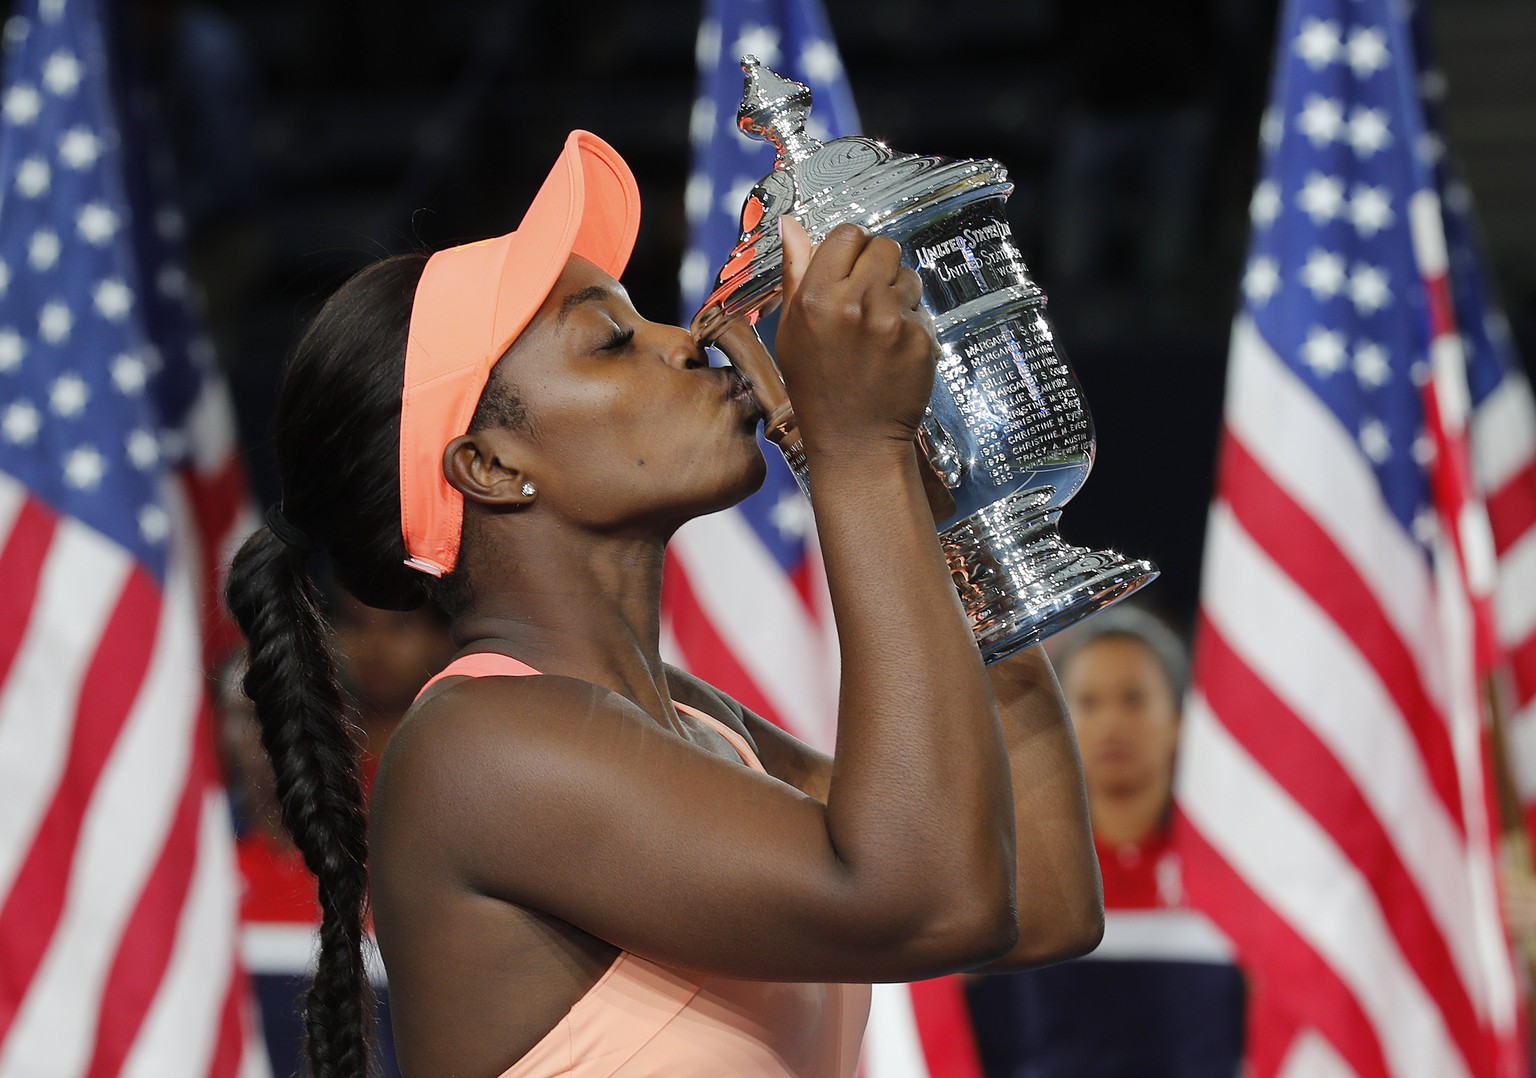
[314, 136]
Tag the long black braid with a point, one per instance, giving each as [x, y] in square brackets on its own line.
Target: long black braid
[337, 436]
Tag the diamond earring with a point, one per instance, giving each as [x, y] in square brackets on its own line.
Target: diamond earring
[528, 489]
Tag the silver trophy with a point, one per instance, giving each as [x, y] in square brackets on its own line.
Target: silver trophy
[1007, 437]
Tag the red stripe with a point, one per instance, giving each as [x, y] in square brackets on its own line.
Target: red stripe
[1282, 967]
[944, 1028]
[1301, 763]
[1522, 666]
[708, 655]
[217, 498]
[1311, 559]
[1442, 314]
[229, 1043]
[35, 904]
[1512, 508]
[144, 950]
[21, 570]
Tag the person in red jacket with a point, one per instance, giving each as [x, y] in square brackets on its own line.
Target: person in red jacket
[1160, 997]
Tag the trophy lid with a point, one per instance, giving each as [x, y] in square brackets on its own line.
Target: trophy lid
[822, 185]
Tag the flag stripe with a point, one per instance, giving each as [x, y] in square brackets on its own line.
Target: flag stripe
[1284, 856]
[143, 951]
[1323, 472]
[1305, 767]
[1311, 665]
[1288, 959]
[130, 812]
[178, 1038]
[225, 1062]
[28, 532]
[1512, 508]
[701, 647]
[34, 904]
[77, 589]
[1517, 610]
[1302, 551]
[1503, 436]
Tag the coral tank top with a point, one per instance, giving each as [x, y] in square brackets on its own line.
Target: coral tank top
[644, 1019]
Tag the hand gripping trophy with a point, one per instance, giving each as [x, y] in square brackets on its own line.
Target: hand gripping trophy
[1007, 436]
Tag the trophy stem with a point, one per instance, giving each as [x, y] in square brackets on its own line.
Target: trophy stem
[1020, 582]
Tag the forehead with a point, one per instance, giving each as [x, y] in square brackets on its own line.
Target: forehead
[1110, 655]
[580, 282]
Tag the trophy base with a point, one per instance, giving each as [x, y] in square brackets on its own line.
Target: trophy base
[1020, 582]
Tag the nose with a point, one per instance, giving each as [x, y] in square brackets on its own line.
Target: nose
[680, 350]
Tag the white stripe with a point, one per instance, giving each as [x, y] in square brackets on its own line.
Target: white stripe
[1448, 373]
[125, 828]
[81, 579]
[760, 616]
[892, 1048]
[290, 949]
[1520, 730]
[211, 426]
[1485, 925]
[1294, 867]
[1161, 936]
[1428, 233]
[1515, 601]
[180, 1032]
[1503, 433]
[1314, 667]
[1303, 448]
[1311, 1056]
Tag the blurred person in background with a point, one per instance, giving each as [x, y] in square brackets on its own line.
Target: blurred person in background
[1160, 998]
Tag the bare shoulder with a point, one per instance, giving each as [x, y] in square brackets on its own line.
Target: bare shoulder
[784, 756]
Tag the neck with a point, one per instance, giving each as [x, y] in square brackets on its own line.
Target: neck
[587, 608]
[1122, 817]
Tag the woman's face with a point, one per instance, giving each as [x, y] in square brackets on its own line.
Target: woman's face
[1125, 715]
[627, 423]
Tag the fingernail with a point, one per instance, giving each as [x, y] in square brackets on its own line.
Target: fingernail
[779, 222]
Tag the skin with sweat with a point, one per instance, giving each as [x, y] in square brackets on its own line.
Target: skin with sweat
[525, 829]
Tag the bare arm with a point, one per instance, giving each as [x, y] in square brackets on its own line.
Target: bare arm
[629, 832]
[1061, 901]
[1061, 911]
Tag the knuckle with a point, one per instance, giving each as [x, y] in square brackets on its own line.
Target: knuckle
[848, 233]
[885, 247]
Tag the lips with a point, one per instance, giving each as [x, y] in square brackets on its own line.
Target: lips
[739, 392]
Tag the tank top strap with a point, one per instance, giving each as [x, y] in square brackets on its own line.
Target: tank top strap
[736, 741]
[495, 664]
[481, 664]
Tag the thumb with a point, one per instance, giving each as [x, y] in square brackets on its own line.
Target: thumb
[797, 247]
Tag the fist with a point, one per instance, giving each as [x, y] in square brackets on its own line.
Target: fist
[855, 345]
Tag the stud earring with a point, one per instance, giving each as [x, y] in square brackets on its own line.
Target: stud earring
[528, 489]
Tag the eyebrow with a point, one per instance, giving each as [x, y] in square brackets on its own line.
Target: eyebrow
[584, 295]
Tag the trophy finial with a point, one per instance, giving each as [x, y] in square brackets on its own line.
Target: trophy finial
[774, 109]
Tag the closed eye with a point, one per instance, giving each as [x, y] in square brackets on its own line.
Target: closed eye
[619, 341]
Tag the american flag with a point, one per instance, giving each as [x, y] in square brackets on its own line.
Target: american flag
[1333, 788]
[119, 496]
[744, 604]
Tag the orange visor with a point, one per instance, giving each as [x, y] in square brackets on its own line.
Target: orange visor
[473, 302]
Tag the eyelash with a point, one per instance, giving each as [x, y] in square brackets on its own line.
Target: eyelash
[619, 340]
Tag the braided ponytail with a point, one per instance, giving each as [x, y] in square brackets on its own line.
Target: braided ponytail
[337, 433]
[292, 681]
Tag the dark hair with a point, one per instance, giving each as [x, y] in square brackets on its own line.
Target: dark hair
[337, 443]
[1127, 622]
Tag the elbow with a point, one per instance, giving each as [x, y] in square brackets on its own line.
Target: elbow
[1072, 933]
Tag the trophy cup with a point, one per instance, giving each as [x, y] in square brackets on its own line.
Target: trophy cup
[1007, 436]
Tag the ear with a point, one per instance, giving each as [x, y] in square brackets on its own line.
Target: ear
[481, 466]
